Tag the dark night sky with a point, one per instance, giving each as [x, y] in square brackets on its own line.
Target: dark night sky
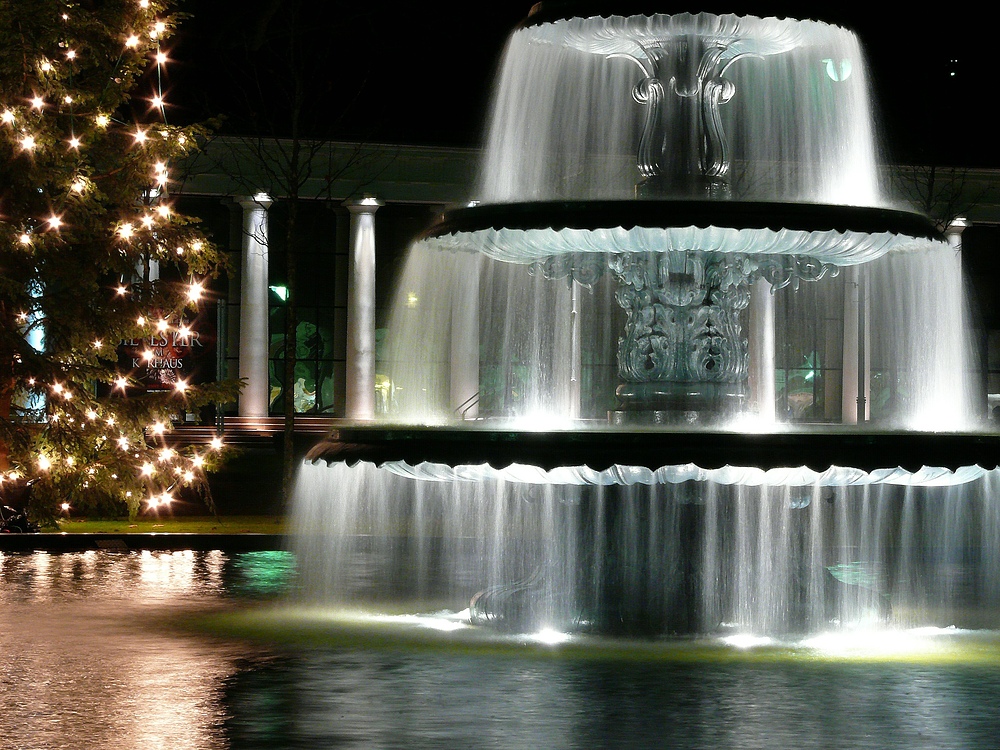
[423, 74]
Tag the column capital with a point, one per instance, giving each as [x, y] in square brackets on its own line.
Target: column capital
[953, 232]
[258, 200]
[367, 205]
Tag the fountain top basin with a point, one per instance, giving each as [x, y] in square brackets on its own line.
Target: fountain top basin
[631, 32]
[551, 11]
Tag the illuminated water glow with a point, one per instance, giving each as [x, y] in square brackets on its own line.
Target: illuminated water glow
[449, 632]
[445, 622]
[549, 637]
[745, 641]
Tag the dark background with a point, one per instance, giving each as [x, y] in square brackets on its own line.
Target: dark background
[422, 73]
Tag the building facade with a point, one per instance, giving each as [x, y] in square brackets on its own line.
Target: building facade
[360, 206]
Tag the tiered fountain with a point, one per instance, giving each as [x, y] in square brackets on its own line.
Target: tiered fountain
[679, 223]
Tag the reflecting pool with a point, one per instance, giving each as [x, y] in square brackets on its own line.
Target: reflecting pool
[142, 650]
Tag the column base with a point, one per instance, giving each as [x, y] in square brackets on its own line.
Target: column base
[666, 403]
[694, 187]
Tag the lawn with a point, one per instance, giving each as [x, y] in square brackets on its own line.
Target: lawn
[175, 525]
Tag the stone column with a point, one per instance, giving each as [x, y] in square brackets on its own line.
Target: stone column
[761, 374]
[360, 401]
[575, 352]
[254, 334]
[465, 340]
[857, 367]
[979, 334]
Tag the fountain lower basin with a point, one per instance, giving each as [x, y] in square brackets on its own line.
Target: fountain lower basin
[648, 532]
[599, 448]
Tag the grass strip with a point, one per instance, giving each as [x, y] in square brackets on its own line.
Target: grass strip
[174, 525]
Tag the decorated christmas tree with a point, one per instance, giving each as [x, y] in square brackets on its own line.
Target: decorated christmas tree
[93, 253]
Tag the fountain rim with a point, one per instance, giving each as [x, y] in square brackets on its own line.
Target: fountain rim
[818, 448]
[552, 11]
[731, 214]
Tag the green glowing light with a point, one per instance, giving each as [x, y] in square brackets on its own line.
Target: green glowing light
[838, 70]
[268, 572]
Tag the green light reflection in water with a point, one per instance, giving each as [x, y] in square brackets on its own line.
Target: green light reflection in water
[266, 573]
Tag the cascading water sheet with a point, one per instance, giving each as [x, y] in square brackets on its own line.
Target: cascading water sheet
[523, 326]
[564, 125]
[680, 549]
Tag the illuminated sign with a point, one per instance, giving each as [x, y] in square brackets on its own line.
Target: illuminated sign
[162, 359]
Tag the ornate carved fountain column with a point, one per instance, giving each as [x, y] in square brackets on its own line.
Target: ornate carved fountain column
[683, 355]
[683, 148]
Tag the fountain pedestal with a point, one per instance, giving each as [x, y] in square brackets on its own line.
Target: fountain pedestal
[684, 83]
[683, 356]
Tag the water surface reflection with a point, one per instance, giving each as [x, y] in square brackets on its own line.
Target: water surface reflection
[89, 661]
[94, 657]
[366, 700]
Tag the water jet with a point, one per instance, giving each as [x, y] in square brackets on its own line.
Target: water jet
[679, 232]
